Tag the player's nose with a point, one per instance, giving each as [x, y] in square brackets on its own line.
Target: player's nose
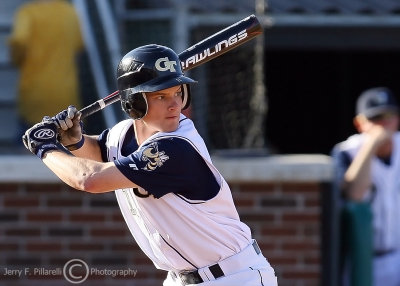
[174, 102]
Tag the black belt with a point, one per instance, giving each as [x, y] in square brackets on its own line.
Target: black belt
[379, 253]
[195, 278]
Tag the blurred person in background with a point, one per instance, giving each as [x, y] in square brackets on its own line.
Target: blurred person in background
[44, 45]
[368, 168]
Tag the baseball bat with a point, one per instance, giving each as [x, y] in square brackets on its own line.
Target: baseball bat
[200, 53]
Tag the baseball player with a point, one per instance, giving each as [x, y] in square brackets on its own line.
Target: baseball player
[368, 167]
[176, 204]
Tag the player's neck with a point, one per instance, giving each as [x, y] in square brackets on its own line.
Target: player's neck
[385, 150]
[142, 131]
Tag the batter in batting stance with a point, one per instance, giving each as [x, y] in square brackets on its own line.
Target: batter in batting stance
[176, 204]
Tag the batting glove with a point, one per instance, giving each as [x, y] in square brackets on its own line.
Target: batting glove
[41, 138]
[64, 118]
[70, 128]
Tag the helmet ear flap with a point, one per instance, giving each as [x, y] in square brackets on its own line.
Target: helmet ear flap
[134, 104]
[185, 96]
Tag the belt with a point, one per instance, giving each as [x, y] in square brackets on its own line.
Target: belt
[379, 253]
[216, 270]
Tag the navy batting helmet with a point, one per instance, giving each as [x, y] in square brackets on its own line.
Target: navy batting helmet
[147, 69]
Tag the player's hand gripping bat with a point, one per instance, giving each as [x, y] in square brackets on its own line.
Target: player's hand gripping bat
[208, 49]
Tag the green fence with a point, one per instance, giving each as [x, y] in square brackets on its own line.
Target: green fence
[357, 242]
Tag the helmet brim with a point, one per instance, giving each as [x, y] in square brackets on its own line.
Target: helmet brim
[161, 83]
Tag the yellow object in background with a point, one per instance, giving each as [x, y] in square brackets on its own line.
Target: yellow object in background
[45, 41]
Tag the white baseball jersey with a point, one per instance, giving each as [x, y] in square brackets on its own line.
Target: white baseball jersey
[183, 216]
[384, 193]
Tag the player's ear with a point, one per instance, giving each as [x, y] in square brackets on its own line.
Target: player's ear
[359, 122]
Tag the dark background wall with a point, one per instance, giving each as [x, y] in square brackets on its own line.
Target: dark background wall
[313, 76]
[312, 93]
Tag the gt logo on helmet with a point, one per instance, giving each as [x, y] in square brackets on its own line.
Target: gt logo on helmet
[163, 64]
[44, 134]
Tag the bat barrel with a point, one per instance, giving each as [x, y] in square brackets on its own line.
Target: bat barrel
[221, 42]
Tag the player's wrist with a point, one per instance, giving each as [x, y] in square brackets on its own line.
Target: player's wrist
[76, 146]
[43, 149]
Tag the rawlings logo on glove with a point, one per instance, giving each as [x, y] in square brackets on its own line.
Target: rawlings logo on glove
[43, 134]
[41, 138]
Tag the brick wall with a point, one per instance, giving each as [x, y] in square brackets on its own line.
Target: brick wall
[46, 224]
[285, 220]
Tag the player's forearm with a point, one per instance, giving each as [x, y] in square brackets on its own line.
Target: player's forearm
[89, 150]
[81, 174]
[357, 178]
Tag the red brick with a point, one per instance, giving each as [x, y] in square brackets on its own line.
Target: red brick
[8, 188]
[265, 246]
[311, 230]
[268, 230]
[60, 260]
[72, 190]
[142, 260]
[103, 202]
[312, 202]
[300, 245]
[261, 217]
[142, 275]
[279, 202]
[115, 260]
[243, 202]
[44, 217]
[60, 202]
[312, 259]
[282, 260]
[65, 231]
[43, 246]
[126, 247]
[297, 282]
[4, 247]
[24, 260]
[128, 276]
[86, 246]
[87, 217]
[21, 202]
[108, 232]
[301, 274]
[301, 217]
[255, 188]
[117, 216]
[23, 232]
[300, 188]
[44, 188]
[93, 277]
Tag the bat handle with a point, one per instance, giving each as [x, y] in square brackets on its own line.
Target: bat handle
[99, 104]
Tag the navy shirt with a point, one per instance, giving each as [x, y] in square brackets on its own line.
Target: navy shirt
[166, 165]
